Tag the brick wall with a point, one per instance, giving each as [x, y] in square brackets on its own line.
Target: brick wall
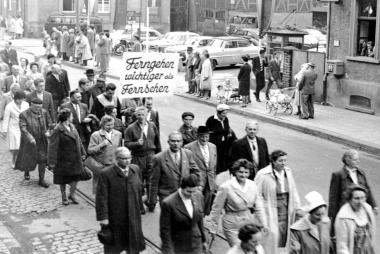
[287, 67]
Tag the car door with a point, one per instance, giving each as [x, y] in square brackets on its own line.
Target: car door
[229, 52]
[245, 47]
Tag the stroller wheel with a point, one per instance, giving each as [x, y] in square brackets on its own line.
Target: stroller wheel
[289, 109]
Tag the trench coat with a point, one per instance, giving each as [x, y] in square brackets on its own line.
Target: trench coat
[84, 48]
[65, 41]
[345, 226]
[304, 241]
[206, 72]
[118, 200]
[65, 152]
[33, 125]
[11, 124]
[266, 185]
[71, 45]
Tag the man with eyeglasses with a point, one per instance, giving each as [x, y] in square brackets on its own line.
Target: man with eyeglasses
[118, 204]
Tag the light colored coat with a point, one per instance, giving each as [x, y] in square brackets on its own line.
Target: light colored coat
[84, 48]
[238, 250]
[65, 41]
[104, 154]
[236, 202]
[266, 184]
[206, 73]
[303, 240]
[11, 123]
[345, 228]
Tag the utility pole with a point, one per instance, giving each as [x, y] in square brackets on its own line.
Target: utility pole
[140, 18]
[77, 14]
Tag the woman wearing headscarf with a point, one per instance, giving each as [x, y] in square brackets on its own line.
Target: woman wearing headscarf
[276, 186]
[298, 78]
[65, 155]
[355, 224]
[240, 200]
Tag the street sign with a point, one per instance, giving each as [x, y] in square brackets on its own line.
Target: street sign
[148, 75]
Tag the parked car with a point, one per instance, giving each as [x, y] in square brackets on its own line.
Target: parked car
[228, 50]
[170, 39]
[251, 34]
[315, 40]
[127, 34]
[195, 42]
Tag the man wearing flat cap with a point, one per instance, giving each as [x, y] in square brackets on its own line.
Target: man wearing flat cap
[307, 91]
[189, 133]
[206, 158]
[189, 75]
[34, 125]
[258, 64]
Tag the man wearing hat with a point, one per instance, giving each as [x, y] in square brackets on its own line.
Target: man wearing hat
[311, 234]
[258, 64]
[307, 90]
[34, 126]
[189, 133]
[206, 158]
[90, 74]
[189, 76]
[97, 89]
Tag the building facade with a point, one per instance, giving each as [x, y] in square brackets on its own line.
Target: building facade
[354, 40]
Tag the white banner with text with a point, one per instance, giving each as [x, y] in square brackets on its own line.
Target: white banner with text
[148, 74]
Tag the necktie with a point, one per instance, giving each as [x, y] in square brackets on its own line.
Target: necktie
[78, 112]
[125, 172]
[261, 64]
[176, 158]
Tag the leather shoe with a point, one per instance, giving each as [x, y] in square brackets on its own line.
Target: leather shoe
[311, 117]
[297, 114]
[65, 201]
[304, 118]
[43, 183]
[74, 200]
[26, 176]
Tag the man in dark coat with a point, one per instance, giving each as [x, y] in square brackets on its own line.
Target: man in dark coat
[47, 99]
[307, 90]
[9, 55]
[143, 139]
[258, 67]
[108, 98]
[220, 135]
[181, 221]
[274, 73]
[341, 181]
[206, 158]
[80, 114]
[57, 84]
[189, 132]
[152, 115]
[252, 148]
[34, 126]
[169, 167]
[118, 204]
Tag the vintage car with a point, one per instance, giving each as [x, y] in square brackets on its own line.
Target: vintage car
[195, 42]
[170, 39]
[228, 50]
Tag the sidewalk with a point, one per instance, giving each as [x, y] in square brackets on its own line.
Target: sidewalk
[357, 130]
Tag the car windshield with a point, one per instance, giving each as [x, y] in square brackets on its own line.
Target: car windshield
[216, 43]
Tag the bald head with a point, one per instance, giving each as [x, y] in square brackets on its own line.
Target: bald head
[251, 129]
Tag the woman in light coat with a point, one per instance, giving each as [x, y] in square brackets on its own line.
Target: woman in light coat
[206, 77]
[355, 224]
[276, 186]
[103, 144]
[84, 47]
[298, 78]
[11, 123]
[240, 200]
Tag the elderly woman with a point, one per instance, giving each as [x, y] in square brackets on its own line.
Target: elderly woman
[276, 186]
[240, 200]
[297, 95]
[65, 154]
[11, 121]
[101, 149]
[84, 48]
[244, 78]
[311, 234]
[342, 179]
[355, 224]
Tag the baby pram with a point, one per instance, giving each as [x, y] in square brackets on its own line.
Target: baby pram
[280, 99]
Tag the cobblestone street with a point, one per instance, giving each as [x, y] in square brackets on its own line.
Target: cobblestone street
[32, 219]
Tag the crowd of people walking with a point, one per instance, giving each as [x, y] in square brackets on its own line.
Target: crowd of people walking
[206, 177]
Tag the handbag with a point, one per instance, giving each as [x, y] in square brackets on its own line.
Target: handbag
[85, 174]
[94, 165]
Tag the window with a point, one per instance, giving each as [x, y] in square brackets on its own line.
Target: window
[220, 15]
[208, 14]
[68, 5]
[104, 6]
[366, 28]
[230, 44]
[243, 44]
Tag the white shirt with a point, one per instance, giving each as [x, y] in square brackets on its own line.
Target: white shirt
[148, 115]
[353, 174]
[217, 118]
[255, 152]
[187, 202]
[16, 79]
[124, 170]
[56, 76]
[145, 129]
[281, 179]
[77, 110]
[40, 96]
[108, 135]
[173, 155]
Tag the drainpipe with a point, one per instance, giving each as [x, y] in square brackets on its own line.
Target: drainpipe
[324, 95]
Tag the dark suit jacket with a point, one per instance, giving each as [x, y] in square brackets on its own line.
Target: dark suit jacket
[340, 182]
[9, 57]
[218, 132]
[9, 81]
[241, 150]
[151, 142]
[58, 89]
[207, 173]
[179, 232]
[166, 176]
[47, 103]
[256, 66]
[155, 118]
[274, 70]
[307, 83]
[81, 127]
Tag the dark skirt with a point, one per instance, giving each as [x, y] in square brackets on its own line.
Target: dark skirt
[244, 88]
[59, 179]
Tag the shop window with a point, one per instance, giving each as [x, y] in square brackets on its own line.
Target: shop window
[220, 15]
[104, 6]
[208, 14]
[68, 5]
[366, 28]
